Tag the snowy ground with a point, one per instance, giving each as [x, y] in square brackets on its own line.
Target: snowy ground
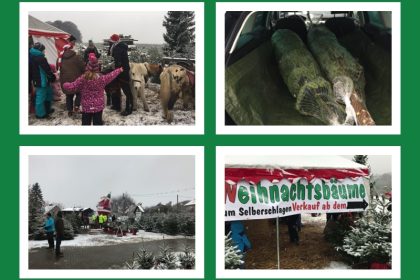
[110, 117]
[337, 265]
[308, 219]
[100, 239]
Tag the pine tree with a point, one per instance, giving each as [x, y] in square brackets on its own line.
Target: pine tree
[180, 33]
[370, 239]
[166, 258]
[187, 258]
[363, 159]
[233, 256]
[36, 208]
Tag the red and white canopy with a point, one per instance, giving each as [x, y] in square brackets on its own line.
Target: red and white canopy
[51, 37]
[269, 167]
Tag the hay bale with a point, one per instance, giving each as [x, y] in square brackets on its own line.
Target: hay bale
[303, 77]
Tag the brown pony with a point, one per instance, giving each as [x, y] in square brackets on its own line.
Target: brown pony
[174, 80]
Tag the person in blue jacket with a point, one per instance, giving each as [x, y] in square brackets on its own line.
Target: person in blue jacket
[239, 237]
[41, 76]
[50, 228]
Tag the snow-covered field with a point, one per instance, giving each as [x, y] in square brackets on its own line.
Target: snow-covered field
[101, 239]
[110, 117]
[308, 219]
[337, 265]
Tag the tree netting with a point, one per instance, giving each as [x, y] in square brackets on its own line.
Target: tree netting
[343, 71]
[301, 74]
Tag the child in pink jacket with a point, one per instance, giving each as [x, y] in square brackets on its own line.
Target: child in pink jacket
[56, 87]
[91, 86]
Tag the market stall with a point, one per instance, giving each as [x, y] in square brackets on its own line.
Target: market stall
[264, 187]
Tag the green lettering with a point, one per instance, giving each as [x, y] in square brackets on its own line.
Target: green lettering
[318, 194]
[262, 194]
[243, 195]
[293, 192]
[326, 191]
[300, 191]
[284, 193]
[362, 191]
[334, 192]
[274, 194]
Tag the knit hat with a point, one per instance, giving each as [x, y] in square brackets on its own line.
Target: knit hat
[39, 46]
[93, 65]
[115, 38]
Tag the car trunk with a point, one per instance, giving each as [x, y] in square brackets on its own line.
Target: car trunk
[255, 93]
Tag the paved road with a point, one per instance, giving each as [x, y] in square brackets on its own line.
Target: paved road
[103, 257]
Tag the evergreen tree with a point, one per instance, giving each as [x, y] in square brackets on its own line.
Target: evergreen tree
[233, 256]
[36, 207]
[363, 159]
[180, 33]
[370, 239]
[166, 259]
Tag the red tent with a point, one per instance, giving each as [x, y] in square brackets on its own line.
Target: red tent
[51, 37]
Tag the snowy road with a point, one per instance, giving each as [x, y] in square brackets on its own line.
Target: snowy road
[102, 239]
[99, 257]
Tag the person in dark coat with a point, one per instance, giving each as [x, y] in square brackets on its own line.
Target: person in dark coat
[293, 224]
[41, 76]
[91, 49]
[59, 230]
[119, 51]
[71, 66]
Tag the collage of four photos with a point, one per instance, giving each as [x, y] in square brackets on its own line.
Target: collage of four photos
[139, 69]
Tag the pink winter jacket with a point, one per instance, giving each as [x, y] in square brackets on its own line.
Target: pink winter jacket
[92, 91]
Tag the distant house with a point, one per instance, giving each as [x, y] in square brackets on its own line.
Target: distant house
[191, 205]
[135, 211]
[52, 208]
[81, 212]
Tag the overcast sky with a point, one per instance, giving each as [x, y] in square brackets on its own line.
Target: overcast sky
[378, 164]
[146, 27]
[82, 180]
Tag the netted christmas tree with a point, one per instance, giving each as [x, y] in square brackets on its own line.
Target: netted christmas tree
[303, 77]
[370, 239]
[233, 256]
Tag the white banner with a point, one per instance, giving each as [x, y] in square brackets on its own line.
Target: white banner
[247, 201]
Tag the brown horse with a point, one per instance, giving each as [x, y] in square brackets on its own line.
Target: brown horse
[175, 81]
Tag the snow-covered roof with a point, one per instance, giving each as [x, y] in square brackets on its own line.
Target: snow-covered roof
[38, 25]
[291, 162]
[191, 203]
[72, 209]
[134, 208]
[50, 207]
